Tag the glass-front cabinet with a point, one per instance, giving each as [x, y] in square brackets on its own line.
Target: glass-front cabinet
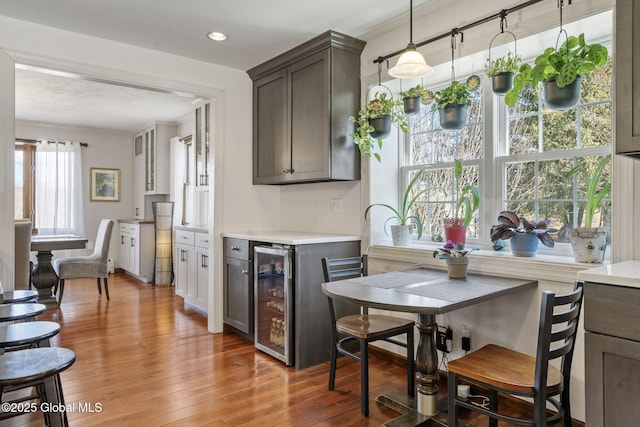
[202, 137]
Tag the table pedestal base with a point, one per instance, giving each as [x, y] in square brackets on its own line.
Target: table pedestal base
[44, 278]
[405, 405]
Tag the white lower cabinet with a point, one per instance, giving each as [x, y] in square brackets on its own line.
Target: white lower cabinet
[192, 267]
[136, 250]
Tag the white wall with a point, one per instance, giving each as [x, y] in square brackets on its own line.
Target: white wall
[106, 149]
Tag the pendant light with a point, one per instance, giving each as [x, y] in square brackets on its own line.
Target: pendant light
[411, 63]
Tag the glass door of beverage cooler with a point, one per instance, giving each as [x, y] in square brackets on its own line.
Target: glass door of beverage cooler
[273, 296]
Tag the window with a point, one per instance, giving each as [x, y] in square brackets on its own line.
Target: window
[519, 157]
[48, 177]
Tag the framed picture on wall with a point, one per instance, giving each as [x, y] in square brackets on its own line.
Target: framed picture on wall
[105, 185]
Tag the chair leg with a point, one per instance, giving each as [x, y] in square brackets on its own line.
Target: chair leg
[334, 357]
[493, 406]
[411, 370]
[99, 287]
[364, 377]
[566, 406]
[452, 407]
[106, 287]
[61, 283]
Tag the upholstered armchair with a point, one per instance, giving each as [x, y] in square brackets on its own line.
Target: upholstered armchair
[94, 265]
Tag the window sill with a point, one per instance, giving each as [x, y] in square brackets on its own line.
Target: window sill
[497, 263]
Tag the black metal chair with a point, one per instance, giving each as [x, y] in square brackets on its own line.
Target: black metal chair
[501, 370]
[363, 328]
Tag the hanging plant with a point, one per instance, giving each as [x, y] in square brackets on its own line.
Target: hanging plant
[452, 103]
[557, 69]
[412, 99]
[501, 71]
[373, 123]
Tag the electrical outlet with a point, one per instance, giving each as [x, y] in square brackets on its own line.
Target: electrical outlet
[444, 339]
[466, 343]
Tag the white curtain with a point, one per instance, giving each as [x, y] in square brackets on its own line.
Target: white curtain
[59, 188]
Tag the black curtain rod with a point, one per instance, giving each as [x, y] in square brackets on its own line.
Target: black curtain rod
[502, 14]
[34, 141]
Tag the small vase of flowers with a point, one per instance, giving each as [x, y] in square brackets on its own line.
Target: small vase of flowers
[455, 255]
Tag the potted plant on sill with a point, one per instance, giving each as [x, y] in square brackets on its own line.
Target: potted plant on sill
[467, 202]
[590, 243]
[455, 255]
[523, 235]
[374, 123]
[412, 99]
[452, 103]
[401, 232]
[501, 72]
[559, 70]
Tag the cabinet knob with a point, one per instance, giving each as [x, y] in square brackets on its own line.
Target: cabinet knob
[244, 271]
[235, 248]
[288, 170]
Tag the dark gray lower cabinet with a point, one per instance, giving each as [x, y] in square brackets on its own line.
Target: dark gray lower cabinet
[612, 355]
[238, 287]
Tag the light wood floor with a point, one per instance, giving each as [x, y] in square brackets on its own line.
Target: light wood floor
[148, 361]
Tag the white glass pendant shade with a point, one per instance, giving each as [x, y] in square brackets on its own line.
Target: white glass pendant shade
[410, 64]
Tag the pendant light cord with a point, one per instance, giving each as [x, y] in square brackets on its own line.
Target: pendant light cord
[410, 21]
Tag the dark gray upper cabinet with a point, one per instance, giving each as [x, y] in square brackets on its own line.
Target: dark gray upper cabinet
[627, 78]
[302, 101]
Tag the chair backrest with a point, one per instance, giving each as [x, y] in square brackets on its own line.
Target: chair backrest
[559, 317]
[22, 254]
[343, 268]
[103, 240]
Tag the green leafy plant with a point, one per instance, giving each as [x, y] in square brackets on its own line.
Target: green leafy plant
[508, 63]
[379, 106]
[468, 197]
[416, 91]
[596, 190]
[402, 215]
[574, 58]
[509, 223]
[455, 94]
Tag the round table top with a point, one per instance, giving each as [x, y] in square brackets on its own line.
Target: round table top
[33, 364]
[18, 334]
[20, 311]
[20, 295]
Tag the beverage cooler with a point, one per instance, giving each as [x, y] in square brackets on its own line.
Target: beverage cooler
[273, 287]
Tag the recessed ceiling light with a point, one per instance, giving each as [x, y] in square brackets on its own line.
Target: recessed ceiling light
[217, 36]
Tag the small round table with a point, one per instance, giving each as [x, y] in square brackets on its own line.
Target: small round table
[10, 312]
[20, 295]
[27, 333]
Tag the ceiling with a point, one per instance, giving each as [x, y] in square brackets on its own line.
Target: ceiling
[257, 30]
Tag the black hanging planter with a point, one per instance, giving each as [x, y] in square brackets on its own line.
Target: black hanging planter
[502, 82]
[412, 104]
[381, 125]
[453, 117]
[560, 99]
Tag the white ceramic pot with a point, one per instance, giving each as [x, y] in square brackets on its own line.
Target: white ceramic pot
[589, 244]
[401, 234]
[457, 267]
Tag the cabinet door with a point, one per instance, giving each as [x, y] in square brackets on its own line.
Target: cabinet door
[202, 278]
[612, 381]
[627, 83]
[203, 125]
[238, 304]
[124, 252]
[138, 187]
[310, 118]
[184, 272]
[150, 160]
[271, 140]
[134, 253]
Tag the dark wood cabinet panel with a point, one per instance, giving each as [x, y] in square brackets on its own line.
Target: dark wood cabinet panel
[302, 101]
[612, 355]
[627, 78]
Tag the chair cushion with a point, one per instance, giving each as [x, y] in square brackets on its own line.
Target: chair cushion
[83, 266]
[504, 368]
[369, 326]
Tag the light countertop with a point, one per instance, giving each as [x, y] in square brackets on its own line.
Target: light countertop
[135, 221]
[625, 273]
[290, 237]
[196, 228]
